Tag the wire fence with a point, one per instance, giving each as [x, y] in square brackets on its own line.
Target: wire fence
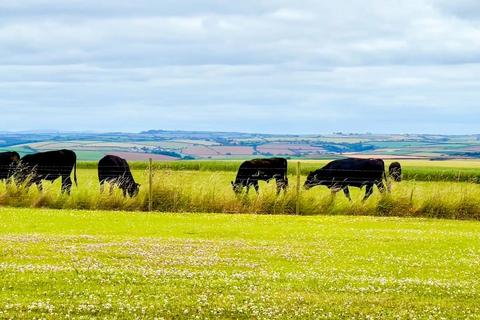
[212, 191]
[422, 173]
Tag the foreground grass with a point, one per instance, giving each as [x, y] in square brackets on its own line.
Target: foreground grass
[80, 264]
[205, 191]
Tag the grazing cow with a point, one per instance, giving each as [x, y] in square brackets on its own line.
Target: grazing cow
[8, 163]
[115, 170]
[250, 172]
[395, 171]
[49, 166]
[341, 174]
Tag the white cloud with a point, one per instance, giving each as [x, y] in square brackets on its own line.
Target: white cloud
[316, 66]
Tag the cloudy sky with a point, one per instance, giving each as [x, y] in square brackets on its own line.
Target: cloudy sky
[285, 66]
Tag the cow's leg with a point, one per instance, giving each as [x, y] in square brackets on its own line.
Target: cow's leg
[333, 191]
[346, 191]
[25, 180]
[255, 185]
[102, 186]
[381, 186]
[29, 183]
[368, 191]
[66, 184]
[39, 185]
[389, 185]
[281, 185]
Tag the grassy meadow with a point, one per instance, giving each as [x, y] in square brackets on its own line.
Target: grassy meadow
[111, 265]
[198, 186]
[419, 170]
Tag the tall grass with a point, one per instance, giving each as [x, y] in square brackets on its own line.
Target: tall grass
[195, 191]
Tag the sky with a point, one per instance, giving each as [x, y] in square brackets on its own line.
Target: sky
[285, 66]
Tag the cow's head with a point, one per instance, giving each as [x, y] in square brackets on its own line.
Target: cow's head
[395, 171]
[133, 189]
[15, 159]
[316, 178]
[311, 180]
[282, 182]
[236, 186]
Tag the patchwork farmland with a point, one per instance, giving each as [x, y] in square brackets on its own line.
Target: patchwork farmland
[168, 145]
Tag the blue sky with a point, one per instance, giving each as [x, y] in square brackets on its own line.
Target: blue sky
[254, 66]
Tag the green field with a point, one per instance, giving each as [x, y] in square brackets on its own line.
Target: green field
[185, 188]
[419, 170]
[79, 264]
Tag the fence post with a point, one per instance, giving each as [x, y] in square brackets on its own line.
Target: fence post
[411, 193]
[150, 184]
[297, 195]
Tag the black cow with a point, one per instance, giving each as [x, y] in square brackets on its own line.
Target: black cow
[395, 171]
[8, 163]
[115, 170]
[49, 166]
[341, 174]
[250, 172]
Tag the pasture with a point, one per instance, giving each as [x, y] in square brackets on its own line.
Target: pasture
[81, 264]
[419, 170]
[431, 189]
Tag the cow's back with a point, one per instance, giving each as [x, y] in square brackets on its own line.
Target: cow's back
[6, 158]
[50, 157]
[353, 171]
[112, 167]
[263, 169]
[51, 162]
[8, 162]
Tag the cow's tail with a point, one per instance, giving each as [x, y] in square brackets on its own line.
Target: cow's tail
[75, 172]
[285, 174]
[387, 181]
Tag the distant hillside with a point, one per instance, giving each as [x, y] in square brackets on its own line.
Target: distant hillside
[171, 145]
